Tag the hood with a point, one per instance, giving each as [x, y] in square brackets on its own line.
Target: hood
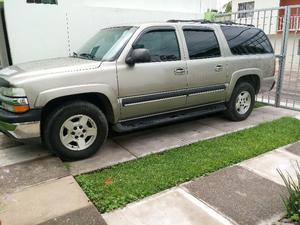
[47, 66]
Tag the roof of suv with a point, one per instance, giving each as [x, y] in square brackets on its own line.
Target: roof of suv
[191, 22]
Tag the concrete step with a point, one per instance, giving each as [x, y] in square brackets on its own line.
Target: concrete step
[46, 203]
[22, 153]
[172, 207]
[243, 196]
[19, 176]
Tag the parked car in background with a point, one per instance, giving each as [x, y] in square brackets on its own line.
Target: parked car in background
[132, 77]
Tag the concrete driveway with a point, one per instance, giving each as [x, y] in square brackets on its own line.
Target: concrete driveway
[40, 187]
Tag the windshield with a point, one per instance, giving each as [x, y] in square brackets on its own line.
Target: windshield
[106, 44]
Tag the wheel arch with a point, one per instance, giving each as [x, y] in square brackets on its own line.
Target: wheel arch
[98, 99]
[252, 76]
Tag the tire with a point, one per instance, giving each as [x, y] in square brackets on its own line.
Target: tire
[75, 130]
[239, 108]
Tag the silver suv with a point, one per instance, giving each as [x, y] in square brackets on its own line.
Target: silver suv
[132, 77]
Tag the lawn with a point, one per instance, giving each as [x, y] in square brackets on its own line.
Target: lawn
[119, 185]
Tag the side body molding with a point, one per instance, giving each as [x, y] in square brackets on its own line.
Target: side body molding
[104, 89]
[241, 73]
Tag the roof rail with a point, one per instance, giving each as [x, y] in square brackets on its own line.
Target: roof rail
[228, 22]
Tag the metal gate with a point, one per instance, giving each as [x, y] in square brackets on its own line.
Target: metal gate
[282, 25]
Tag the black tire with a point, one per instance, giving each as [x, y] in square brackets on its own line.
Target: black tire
[56, 119]
[232, 112]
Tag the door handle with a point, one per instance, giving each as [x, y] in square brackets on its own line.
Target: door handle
[179, 71]
[219, 68]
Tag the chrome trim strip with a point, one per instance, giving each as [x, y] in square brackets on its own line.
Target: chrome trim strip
[170, 94]
[157, 100]
[207, 92]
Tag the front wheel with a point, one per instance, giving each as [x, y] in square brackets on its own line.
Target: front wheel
[241, 102]
[76, 130]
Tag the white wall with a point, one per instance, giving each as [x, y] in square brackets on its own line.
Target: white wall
[37, 31]
[193, 6]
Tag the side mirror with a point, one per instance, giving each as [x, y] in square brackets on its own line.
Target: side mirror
[139, 55]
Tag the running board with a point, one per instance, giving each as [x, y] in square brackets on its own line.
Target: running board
[167, 118]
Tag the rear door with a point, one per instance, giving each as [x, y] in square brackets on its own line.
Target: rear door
[206, 66]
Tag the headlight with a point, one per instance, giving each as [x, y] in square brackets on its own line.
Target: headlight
[13, 99]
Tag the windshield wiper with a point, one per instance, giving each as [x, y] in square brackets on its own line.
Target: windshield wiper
[75, 54]
[87, 55]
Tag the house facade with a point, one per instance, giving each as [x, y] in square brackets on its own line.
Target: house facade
[38, 29]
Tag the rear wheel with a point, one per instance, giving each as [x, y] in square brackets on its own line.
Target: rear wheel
[76, 130]
[241, 102]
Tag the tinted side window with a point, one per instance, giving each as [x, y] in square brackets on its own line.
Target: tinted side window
[246, 40]
[201, 43]
[162, 44]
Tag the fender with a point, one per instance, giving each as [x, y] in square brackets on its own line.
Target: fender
[51, 94]
[241, 73]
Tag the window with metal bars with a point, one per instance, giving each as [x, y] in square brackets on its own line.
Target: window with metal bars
[245, 6]
[42, 1]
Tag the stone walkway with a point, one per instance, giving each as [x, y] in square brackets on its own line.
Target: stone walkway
[37, 188]
[247, 194]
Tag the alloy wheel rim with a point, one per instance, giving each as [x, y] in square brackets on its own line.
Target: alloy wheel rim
[243, 102]
[78, 132]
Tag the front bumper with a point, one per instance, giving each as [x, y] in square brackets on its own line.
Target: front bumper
[21, 126]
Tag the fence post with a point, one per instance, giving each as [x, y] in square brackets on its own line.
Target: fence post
[283, 52]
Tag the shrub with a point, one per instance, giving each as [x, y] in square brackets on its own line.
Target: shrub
[292, 201]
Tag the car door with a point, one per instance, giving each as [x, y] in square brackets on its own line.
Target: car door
[153, 87]
[206, 66]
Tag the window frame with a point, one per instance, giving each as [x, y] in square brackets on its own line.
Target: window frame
[206, 29]
[158, 28]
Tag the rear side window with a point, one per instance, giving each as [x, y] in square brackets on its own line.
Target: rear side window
[201, 43]
[246, 40]
[162, 44]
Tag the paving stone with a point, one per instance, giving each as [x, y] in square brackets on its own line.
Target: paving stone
[85, 216]
[279, 111]
[173, 207]
[267, 165]
[10, 156]
[6, 142]
[294, 148]
[265, 114]
[167, 137]
[17, 177]
[259, 115]
[43, 202]
[109, 155]
[241, 195]
[225, 125]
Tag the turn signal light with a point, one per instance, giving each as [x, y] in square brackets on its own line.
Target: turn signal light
[20, 108]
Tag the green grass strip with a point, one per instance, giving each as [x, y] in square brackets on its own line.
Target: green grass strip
[119, 185]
